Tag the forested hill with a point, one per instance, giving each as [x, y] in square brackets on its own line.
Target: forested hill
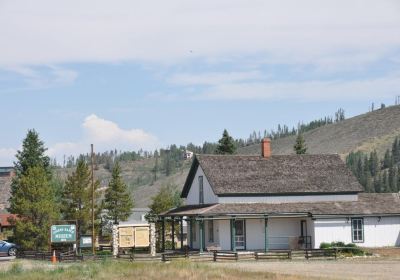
[367, 132]
[145, 172]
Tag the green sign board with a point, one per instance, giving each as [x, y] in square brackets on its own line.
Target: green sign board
[63, 234]
[85, 242]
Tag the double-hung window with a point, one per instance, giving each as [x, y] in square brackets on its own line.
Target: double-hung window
[201, 190]
[357, 230]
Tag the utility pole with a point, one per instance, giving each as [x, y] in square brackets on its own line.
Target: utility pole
[92, 163]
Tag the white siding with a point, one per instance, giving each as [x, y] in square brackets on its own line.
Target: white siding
[376, 233]
[381, 233]
[287, 199]
[193, 195]
[332, 230]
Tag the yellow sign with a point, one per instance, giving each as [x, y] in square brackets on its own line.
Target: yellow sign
[126, 237]
[134, 237]
[142, 237]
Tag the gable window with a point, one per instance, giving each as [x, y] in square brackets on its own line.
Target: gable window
[211, 231]
[201, 190]
[357, 230]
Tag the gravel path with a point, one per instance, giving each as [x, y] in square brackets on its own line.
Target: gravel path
[340, 269]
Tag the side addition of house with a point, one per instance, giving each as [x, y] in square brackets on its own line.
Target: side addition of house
[282, 202]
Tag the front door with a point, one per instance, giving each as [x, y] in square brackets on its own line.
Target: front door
[240, 238]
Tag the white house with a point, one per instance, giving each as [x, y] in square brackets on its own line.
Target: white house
[267, 202]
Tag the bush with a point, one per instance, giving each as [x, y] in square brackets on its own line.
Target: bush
[348, 249]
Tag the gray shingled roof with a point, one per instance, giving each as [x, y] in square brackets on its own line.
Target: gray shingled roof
[367, 204]
[279, 174]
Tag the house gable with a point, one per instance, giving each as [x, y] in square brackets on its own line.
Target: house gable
[194, 192]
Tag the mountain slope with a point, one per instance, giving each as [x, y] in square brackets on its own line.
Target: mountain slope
[366, 132]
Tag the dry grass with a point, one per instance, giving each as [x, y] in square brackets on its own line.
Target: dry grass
[374, 130]
[125, 270]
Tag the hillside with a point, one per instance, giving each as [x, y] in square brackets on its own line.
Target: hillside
[139, 177]
[373, 130]
[366, 132]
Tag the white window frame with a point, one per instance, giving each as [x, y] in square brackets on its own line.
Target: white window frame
[357, 229]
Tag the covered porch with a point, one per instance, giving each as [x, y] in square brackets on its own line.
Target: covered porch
[241, 232]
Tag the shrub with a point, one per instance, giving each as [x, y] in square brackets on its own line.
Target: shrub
[348, 249]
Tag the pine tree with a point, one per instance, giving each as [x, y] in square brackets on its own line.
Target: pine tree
[373, 163]
[392, 179]
[35, 204]
[117, 201]
[300, 146]
[387, 160]
[32, 154]
[396, 150]
[77, 198]
[377, 183]
[385, 183]
[226, 145]
[32, 194]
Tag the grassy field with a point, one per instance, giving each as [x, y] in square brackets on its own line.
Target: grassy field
[126, 270]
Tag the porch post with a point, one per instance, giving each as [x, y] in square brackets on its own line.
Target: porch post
[266, 241]
[201, 226]
[173, 232]
[162, 234]
[233, 235]
[191, 233]
[181, 233]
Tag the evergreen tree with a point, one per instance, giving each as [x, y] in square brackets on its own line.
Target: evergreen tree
[300, 146]
[378, 183]
[117, 200]
[32, 194]
[392, 179]
[34, 203]
[77, 198]
[396, 150]
[373, 163]
[226, 145]
[385, 183]
[387, 160]
[32, 154]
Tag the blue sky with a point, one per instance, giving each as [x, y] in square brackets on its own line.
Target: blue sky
[145, 74]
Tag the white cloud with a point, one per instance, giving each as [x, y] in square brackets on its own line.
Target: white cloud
[36, 78]
[105, 135]
[307, 91]
[7, 156]
[51, 32]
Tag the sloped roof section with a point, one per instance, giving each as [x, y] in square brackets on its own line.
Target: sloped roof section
[231, 175]
[367, 204]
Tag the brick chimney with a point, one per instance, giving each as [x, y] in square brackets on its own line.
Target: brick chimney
[266, 148]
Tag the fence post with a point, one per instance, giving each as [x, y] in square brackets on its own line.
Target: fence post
[236, 256]
[290, 254]
[186, 252]
[215, 256]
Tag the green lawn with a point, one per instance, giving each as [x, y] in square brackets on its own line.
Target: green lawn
[112, 269]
